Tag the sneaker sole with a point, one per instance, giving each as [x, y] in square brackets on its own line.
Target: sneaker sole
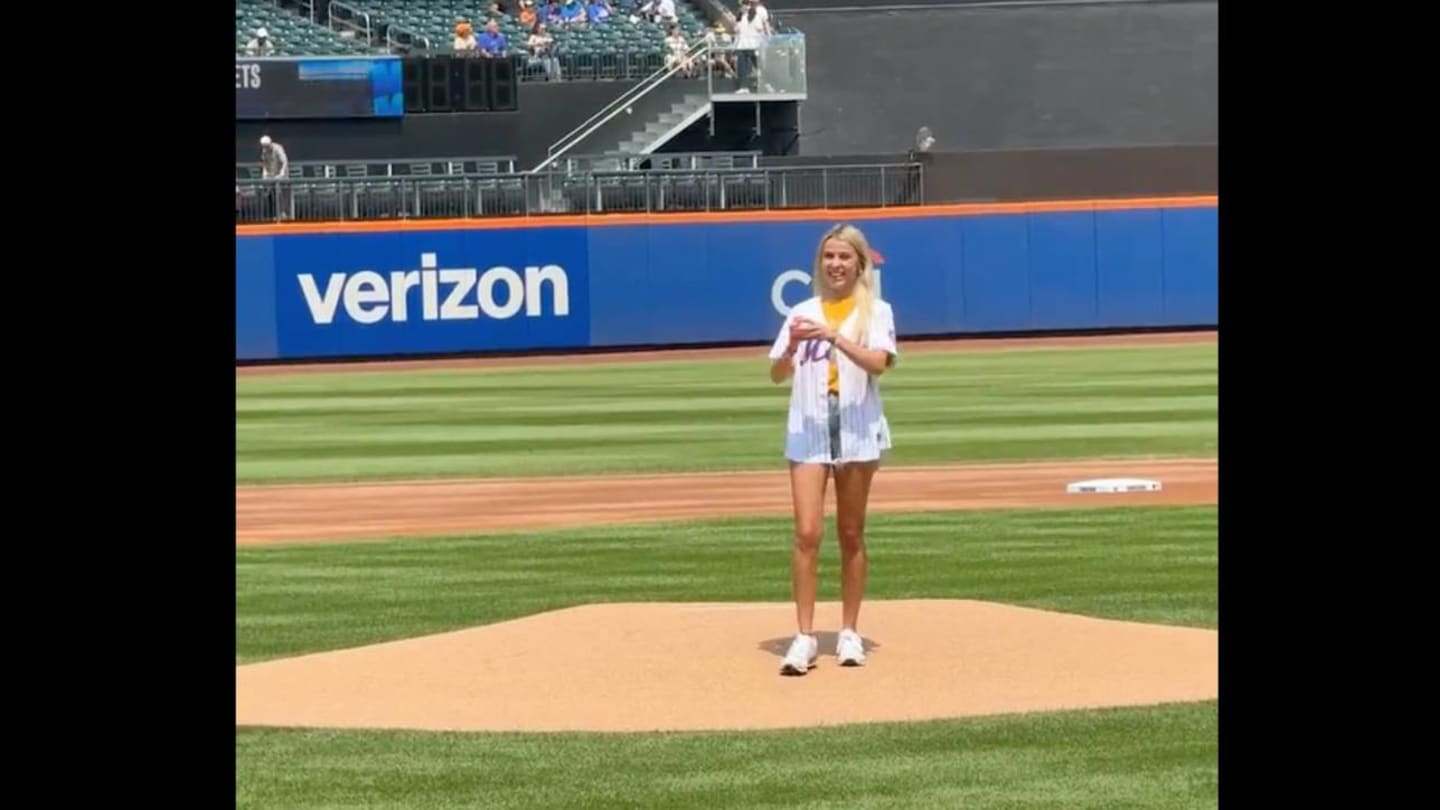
[788, 669]
[851, 662]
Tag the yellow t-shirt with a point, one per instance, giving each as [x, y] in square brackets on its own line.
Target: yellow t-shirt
[835, 314]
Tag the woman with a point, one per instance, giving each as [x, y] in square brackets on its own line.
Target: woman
[834, 345]
[749, 35]
[675, 48]
[542, 53]
[719, 41]
[465, 41]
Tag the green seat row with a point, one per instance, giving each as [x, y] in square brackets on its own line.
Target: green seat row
[290, 33]
[435, 20]
[293, 34]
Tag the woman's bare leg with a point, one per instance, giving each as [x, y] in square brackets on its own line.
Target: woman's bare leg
[807, 490]
[852, 498]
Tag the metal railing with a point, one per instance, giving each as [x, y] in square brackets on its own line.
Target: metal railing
[618, 105]
[775, 67]
[572, 164]
[625, 65]
[344, 16]
[310, 10]
[423, 167]
[398, 38]
[526, 195]
[568, 65]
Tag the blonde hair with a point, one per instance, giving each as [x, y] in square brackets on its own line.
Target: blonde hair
[864, 290]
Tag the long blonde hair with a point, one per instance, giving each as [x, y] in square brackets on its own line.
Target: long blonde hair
[864, 290]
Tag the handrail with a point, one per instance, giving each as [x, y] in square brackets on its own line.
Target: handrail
[415, 37]
[309, 5]
[749, 158]
[355, 13]
[468, 196]
[615, 107]
[504, 163]
[822, 168]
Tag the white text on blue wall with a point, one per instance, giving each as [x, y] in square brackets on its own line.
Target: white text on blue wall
[445, 294]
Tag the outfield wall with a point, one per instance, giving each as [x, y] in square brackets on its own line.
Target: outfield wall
[373, 289]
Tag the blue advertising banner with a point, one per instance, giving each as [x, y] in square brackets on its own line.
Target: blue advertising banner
[430, 291]
[318, 87]
[650, 282]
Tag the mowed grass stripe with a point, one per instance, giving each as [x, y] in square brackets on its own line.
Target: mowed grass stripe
[995, 427]
[1158, 758]
[705, 392]
[602, 409]
[1143, 564]
[715, 414]
[732, 380]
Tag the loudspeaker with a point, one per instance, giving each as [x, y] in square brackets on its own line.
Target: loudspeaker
[502, 84]
[477, 84]
[458, 72]
[437, 88]
[412, 72]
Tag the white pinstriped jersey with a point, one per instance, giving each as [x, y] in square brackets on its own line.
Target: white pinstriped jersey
[864, 430]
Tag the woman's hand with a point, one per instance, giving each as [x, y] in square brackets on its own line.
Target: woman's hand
[874, 361]
[806, 329]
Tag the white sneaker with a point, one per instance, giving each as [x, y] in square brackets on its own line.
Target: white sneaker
[850, 649]
[803, 653]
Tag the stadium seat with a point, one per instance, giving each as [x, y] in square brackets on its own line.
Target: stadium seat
[291, 33]
[618, 41]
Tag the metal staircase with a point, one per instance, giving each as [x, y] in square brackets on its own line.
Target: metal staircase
[683, 113]
[643, 118]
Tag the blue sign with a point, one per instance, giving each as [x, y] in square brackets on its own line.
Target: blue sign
[427, 291]
[652, 283]
[318, 87]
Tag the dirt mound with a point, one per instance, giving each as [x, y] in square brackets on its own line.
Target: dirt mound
[662, 666]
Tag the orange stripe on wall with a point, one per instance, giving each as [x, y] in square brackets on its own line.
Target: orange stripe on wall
[826, 215]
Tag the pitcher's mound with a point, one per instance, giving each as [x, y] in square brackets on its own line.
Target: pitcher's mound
[659, 666]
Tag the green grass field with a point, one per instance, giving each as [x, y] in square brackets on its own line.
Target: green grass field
[1155, 565]
[1147, 564]
[1161, 758]
[711, 415]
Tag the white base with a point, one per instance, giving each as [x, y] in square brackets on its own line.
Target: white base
[1113, 485]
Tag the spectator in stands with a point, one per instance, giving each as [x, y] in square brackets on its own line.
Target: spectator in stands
[552, 13]
[658, 11]
[599, 11]
[542, 52]
[675, 48]
[275, 167]
[261, 45]
[465, 42]
[762, 17]
[528, 17]
[492, 42]
[720, 43]
[748, 38]
[572, 13]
